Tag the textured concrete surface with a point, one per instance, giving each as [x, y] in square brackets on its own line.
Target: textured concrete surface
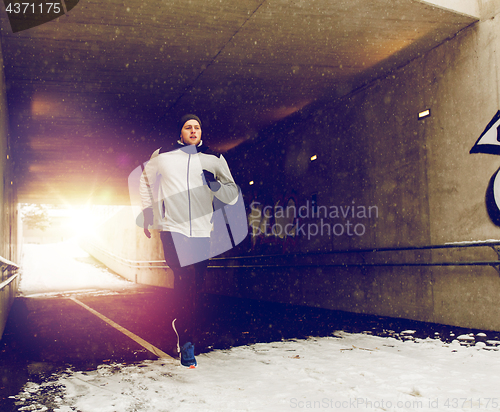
[372, 150]
[88, 92]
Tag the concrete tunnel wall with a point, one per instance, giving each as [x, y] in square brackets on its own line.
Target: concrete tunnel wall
[8, 210]
[373, 151]
[418, 177]
[123, 247]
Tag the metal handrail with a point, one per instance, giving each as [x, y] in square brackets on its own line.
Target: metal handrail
[490, 243]
[9, 266]
[149, 264]
[494, 244]
[8, 281]
[478, 263]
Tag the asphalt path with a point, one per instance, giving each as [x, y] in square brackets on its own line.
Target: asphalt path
[82, 330]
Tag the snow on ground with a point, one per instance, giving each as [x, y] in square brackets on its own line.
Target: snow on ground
[343, 372]
[64, 266]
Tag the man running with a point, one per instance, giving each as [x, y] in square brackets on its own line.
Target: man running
[190, 176]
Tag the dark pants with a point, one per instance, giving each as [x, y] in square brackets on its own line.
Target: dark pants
[188, 281]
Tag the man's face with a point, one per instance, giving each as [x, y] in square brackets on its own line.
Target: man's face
[191, 132]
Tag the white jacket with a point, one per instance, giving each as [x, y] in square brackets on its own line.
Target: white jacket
[172, 184]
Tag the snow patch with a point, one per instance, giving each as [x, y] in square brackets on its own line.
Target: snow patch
[345, 372]
[63, 267]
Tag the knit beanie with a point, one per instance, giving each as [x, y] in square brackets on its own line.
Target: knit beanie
[185, 119]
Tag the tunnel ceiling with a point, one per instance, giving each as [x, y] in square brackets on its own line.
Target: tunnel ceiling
[94, 92]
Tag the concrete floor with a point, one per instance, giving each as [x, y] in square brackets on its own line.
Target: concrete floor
[49, 334]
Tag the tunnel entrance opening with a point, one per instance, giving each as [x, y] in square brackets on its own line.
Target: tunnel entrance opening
[52, 259]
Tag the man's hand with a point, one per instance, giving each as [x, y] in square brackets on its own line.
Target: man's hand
[209, 179]
[148, 221]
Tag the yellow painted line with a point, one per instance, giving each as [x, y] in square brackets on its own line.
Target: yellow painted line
[153, 349]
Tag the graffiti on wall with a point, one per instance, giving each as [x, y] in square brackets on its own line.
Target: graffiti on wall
[489, 143]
